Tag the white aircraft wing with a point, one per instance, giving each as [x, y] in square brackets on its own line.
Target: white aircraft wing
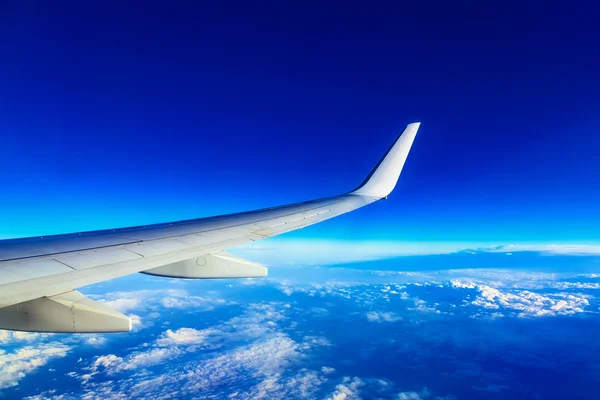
[39, 275]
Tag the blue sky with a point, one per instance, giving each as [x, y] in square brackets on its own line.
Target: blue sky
[117, 116]
[148, 112]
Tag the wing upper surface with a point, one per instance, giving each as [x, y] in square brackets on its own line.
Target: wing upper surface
[29, 278]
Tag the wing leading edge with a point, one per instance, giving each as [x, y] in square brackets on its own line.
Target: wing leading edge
[43, 271]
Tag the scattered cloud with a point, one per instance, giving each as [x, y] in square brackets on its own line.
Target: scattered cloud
[348, 389]
[356, 388]
[576, 285]
[309, 342]
[425, 307]
[380, 316]
[9, 337]
[124, 304]
[524, 303]
[184, 336]
[257, 350]
[258, 370]
[548, 249]
[138, 300]
[95, 340]
[16, 364]
[327, 370]
[194, 303]
[422, 395]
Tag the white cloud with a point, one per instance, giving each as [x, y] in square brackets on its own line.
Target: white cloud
[462, 285]
[348, 389]
[136, 322]
[123, 304]
[380, 316]
[256, 365]
[524, 303]
[327, 370]
[576, 285]
[194, 303]
[300, 385]
[111, 364]
[357, 388]
[7, 337]
[145, 300]
[319, 311]
[346, 290]
[315, 341]
[422, 395]
[259, 320]
[184, 336]
[124, 301]
[21, 361]
[149, 358]
[548, 249]
[95, 340]
[423, 306]
[251, 356]
[107, 361]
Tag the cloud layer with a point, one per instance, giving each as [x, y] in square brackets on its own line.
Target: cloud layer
[351, 335]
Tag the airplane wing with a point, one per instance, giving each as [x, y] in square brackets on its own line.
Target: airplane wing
[39, 275]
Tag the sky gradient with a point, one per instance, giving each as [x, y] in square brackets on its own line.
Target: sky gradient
[124, 116]
[478, 278]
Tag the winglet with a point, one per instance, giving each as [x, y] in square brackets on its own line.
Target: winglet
[382, 180]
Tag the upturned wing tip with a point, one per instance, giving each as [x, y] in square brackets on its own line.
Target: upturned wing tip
[383, 178]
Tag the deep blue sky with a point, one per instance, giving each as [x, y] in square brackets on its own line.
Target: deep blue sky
[113, 116]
